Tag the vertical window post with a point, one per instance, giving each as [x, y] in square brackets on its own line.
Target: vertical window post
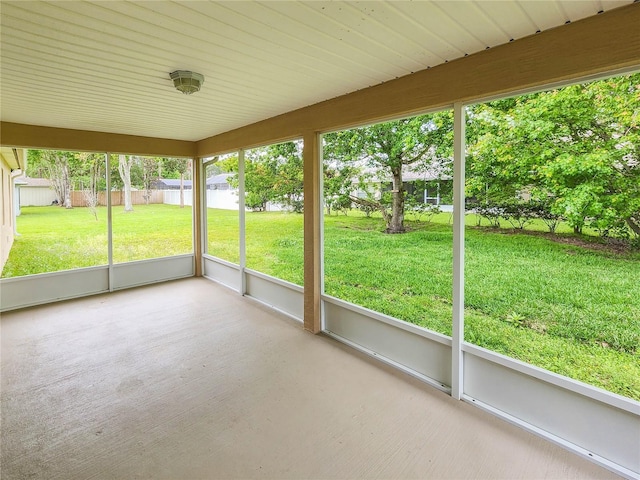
[457, 337]
[109, 221]
[198, 190]
[241, 220]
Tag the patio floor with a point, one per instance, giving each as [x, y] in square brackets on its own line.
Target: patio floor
[186, 380]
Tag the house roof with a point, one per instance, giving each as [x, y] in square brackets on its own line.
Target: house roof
[426, 175]
[13, 157]
[104, 66]
[213, 180]
[174, 182]
[34, 182]
[219, 179]
[437, 170]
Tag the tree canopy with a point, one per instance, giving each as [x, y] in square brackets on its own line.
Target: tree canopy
[272, 174]
[387, 148]
[574, 150]
[85, 171]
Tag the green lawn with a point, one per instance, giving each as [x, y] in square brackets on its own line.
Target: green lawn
[274, 242]
[53, 238]
[567, 309]
[572, 310]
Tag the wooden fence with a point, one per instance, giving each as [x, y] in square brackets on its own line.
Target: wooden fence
[138, 197]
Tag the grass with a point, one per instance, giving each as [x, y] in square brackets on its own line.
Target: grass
[569, 309]
[562, 307]
[273, 247]
[53, 238]
[151, 231]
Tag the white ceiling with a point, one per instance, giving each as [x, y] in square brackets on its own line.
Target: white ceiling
[105, 66]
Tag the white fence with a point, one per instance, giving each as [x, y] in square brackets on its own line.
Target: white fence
[222, 199]
[172, 197]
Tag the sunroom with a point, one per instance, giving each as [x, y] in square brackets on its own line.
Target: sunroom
[292, 80]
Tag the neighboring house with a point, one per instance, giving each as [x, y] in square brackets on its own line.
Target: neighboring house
[172, 184]
[220, 182]
[17, 183]
[432, 185]
[429, 187]
[220, 194]
[215, 182]
[36, 192]
[12, 163]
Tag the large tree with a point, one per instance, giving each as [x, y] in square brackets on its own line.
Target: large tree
[125, 163]
[288, 165]
[338, 185]
[151, 169]
[575, 150]
[60, 167]
[390, 147]
[91, 180]
[272, 174]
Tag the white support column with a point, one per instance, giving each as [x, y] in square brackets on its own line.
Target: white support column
[321, 226]
[199, 214]
[205, 217]
[241, 220]
[109, 221]
[204, 198]
[457, 368]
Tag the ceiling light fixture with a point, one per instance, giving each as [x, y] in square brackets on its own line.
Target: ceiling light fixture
[187, 82]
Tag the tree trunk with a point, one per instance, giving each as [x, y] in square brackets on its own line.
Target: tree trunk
[58, 187]
[634, 223]
[371, 204]
[396, 223]
[58, 170]
[124, 169]
[67, 186]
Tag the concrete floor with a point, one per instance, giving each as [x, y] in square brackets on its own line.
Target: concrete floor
[187, 380]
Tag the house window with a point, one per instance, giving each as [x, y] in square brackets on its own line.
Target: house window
[151, 199]
[384, 248]
[274, 202]
[553, 208]
[222, 187]
[68, 232]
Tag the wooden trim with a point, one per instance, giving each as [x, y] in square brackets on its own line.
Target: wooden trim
[33, 136]
[312, 212]
[595, 45]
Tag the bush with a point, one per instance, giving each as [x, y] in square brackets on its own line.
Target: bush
[421, 210]
[490, 211]
[543, 211]
[517, 213]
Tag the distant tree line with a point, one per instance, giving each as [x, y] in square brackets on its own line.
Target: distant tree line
[86, 172]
